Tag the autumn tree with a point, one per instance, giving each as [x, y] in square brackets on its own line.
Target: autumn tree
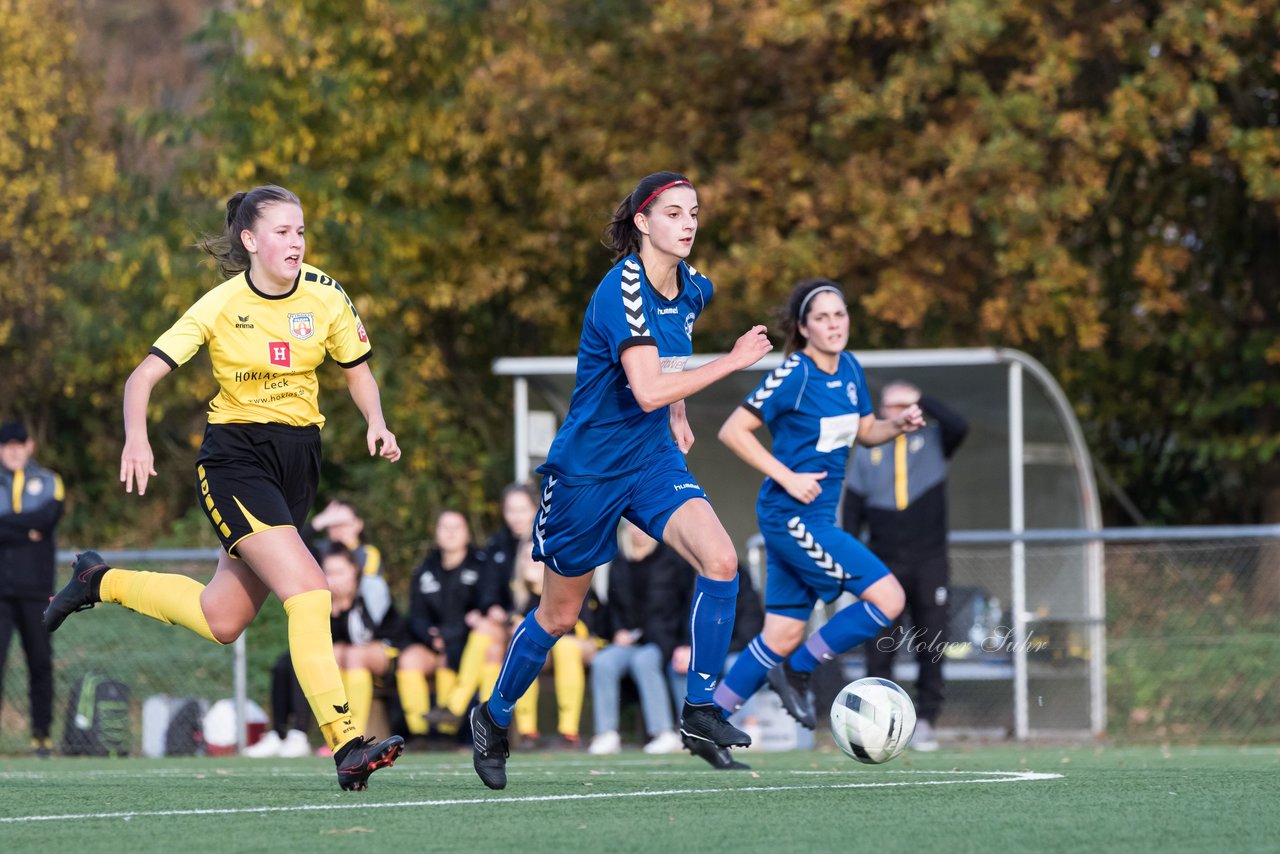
[1093, 183]
[54, 168]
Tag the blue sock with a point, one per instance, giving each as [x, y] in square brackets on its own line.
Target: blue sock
[525, 659]
[711, 628]
[747, 675]
[845, 630]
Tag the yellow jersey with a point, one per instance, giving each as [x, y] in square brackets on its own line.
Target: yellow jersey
[265, 349]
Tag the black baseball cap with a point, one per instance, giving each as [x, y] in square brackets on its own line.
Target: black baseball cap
[13, 431]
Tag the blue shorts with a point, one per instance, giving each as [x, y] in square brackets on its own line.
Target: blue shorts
[576, 528]
[810, 560]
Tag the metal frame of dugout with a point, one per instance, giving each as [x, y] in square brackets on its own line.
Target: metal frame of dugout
[1024, 468]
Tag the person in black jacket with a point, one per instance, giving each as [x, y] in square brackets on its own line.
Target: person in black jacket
[31, 498]
[482, 657]
[648, 582]
[444, 602]
[899, 493]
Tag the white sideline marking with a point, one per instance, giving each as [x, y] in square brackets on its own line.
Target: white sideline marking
[1006, 777]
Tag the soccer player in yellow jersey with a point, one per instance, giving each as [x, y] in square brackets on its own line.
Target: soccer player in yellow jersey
[268, 327]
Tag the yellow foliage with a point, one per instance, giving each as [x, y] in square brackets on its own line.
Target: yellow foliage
[52, 170]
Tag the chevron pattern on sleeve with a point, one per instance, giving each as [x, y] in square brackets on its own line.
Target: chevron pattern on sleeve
[632, 300]
[771, 382]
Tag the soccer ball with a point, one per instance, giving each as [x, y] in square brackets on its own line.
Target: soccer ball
[872, 720]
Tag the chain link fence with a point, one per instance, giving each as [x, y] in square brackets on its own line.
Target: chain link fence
[1192, 634]
[1192, 637]
[148, 658]
[1193, 640]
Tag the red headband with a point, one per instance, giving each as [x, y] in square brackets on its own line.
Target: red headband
[659, 192]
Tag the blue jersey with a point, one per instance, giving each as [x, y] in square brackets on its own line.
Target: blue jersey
[606, 433]
[813, 418]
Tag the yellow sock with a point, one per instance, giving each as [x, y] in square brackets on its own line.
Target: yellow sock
[571, 684]
[469, 672]
[527, 711]
[311, 649]
[163, 596]
[412, 686]
[489, 679]
[446, 679]
[359, 686]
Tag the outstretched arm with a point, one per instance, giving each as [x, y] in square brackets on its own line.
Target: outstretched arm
[877, 431]
[738, 434]
[137, 462]
[364, 391]
[654, 389]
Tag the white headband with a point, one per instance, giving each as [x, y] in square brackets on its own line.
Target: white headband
[813, 293]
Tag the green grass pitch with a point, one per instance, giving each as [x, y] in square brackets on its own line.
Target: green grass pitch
[981, 798]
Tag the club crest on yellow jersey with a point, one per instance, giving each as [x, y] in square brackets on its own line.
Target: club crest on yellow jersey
[302, 326]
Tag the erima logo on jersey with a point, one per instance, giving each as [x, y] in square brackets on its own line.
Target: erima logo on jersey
[242, 322]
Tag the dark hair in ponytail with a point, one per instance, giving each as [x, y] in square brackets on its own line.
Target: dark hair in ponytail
[243, 211]
[621, 234]
[791, 318]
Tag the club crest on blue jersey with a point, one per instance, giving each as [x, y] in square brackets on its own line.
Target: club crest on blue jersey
[852, 389]
[688, 325]
[302, 326]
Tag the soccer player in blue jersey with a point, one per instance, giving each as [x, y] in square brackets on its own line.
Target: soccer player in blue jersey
[620, 452]
[815, 405]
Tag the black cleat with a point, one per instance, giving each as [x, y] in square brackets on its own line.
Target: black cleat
[361, 756]
[491, 749]
[718, 757]
[81, 592]
[705, 722]
[793, 688]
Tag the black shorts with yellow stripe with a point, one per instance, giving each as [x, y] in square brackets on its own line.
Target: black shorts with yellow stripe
[254, 477]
